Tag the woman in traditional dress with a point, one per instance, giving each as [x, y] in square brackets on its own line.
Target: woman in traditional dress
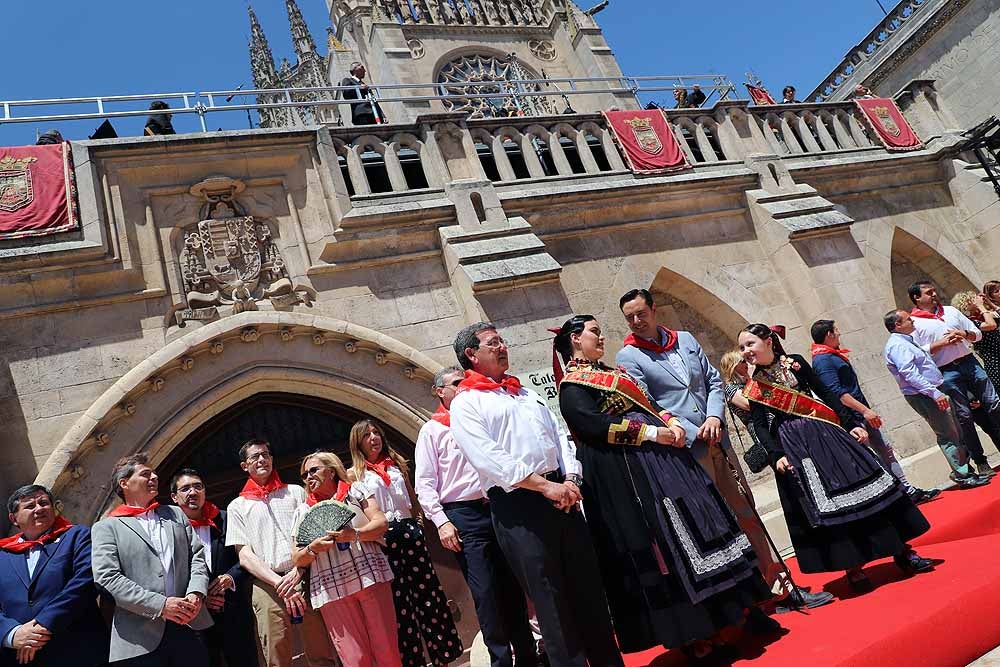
[676, 566]
[842, 508]
[986, 315]
[348, 573]
[421, 606]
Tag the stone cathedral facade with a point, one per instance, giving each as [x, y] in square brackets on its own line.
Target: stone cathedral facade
[289, 280]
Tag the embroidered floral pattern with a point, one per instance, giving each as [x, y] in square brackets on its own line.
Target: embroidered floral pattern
[701, 563]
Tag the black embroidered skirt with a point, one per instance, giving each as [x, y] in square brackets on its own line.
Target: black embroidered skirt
[842, 508]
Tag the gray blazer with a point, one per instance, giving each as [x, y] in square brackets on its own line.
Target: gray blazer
[691, 398]
[127, 567]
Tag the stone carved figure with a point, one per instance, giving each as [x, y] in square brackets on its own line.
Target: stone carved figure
[504, 9]
[489, 10]
[229, 259]
[515, 11]
[463, 12]
[531, 16]
[448, 14]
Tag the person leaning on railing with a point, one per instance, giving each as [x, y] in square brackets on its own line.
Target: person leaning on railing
[362, 113]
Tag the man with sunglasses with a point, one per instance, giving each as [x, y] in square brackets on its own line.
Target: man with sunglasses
[451, 496]
[260, 528]
[532, 478]
[228, 598]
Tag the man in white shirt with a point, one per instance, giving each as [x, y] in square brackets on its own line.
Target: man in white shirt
[148, 558]
[451, 496]
[260, 527]
[515, 444]
[947, 335]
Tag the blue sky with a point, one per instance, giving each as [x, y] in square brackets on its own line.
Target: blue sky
[64, 48]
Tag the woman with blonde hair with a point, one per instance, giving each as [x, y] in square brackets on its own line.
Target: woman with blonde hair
[983, 312]
[421, 605]
[734, 373]
[348, 573]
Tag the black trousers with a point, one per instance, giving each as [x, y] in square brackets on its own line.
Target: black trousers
[233, 637]
[180, 647]
[551, 554]
[500, 604]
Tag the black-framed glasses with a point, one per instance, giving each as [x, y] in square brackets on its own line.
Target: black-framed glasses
[259, 455]
[188, 488]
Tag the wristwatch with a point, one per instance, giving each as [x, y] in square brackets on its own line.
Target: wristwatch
[576, 479]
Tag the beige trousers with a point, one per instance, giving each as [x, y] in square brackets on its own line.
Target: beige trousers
[713, 460]
[275, 629]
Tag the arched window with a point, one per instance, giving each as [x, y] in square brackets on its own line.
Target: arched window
[483, 86]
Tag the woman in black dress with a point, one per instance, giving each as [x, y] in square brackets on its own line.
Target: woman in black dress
[676, 566]
[842, 508]
[986, 315]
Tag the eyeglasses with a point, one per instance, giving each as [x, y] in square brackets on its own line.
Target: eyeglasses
[495, 343]
[311, 471]
[259, 455]
[188, 488]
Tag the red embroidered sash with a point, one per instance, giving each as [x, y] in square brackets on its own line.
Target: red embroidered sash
[789, 401]
[609, 380]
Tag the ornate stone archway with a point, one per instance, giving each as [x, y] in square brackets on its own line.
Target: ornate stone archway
[196, 377]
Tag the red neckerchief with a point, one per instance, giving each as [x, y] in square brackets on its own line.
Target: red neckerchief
[652, 346]
[343, 488]
[480, 382]
[919, 312]
[128, 510]
[209, 511]
[255, 491]
[819, 348]
[11, 544]
[381, 468]
[442, 416]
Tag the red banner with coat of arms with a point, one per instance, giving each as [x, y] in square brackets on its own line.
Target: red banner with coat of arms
[887, 121]
[647, 140]
[37, 191]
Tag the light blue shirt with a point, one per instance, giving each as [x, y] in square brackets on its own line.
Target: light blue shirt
[912, 367]
[33, 556]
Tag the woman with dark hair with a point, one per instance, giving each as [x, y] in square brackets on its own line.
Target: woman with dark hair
[676, 566]
[421, 605]
[842, 508]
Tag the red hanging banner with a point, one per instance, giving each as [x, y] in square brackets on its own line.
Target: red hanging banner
[37, 191]
[647, 140]
[887, 121]
[759, 95]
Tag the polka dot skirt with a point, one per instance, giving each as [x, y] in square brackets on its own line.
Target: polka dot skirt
[421, 606]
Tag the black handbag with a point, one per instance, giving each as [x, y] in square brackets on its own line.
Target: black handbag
[756, 457]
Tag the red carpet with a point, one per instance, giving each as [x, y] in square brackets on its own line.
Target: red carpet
[947, 617]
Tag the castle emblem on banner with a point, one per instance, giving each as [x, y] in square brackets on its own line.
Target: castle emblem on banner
[229, 260]
[644, 133]
[16, 190]
[886, 120]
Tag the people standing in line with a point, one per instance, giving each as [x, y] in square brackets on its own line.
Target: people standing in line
[232, 637]
[422, 611]
[920, 381]
[148, 558]
[348, 573]
[260, 528]
[842, 508]
[451, 494]
[948, 335]
[672, 367]
[676, 566]
[48, 601]
[837, 376]
[532, 478]
[367, 110]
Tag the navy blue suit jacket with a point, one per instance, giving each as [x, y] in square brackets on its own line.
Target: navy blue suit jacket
[61, 596]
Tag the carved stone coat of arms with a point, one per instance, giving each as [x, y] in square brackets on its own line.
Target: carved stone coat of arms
[229, 259]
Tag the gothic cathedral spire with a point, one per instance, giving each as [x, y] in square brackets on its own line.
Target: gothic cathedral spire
[301, 37]
[265, 75]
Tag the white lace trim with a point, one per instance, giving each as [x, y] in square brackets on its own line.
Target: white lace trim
[716, 559]
[827, 504]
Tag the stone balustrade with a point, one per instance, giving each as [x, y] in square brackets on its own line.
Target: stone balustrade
[458, 12]
[439, 148]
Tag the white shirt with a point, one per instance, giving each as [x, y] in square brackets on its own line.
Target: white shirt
[508, 437]
[163, 544]
[266, 525]
[442, 473]
[928, 331]
[676, 361]
[204, 534]
[393, 499]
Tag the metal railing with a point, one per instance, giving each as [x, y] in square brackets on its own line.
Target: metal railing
[203, 103]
